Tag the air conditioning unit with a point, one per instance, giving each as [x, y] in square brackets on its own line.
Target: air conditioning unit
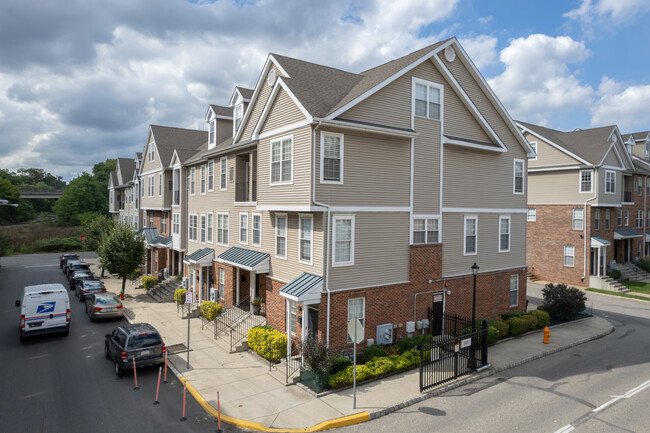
[186, 283]
[166, 273]
[214, 294]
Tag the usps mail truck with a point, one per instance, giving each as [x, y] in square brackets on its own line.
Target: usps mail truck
[44, 308]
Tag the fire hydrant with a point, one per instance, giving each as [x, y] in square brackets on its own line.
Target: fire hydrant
[547, 334]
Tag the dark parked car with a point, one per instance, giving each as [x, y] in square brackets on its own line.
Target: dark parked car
[139, 341]
[85, 288]
[81, 266]
[65, 258]
[68, 265]
[77, 276]
[104, 305]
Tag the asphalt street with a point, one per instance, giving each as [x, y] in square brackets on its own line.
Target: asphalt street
[55, 383]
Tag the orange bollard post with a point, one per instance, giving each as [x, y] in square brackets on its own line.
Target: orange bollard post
[165, 381]
[547, 334]
[135, 376]
[184, 394]
[158, 386]
[219, 412]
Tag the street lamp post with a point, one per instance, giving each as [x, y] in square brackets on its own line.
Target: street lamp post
[472, 358]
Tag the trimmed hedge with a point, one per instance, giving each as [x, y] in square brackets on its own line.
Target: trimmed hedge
[493, 335]
[543, 318]
[374, 351]
[179, 296]
[210, 310]
[503, 328]
[518, 326]
[510, 314]
[379, 366]
[339, 363]
[409, 343]
[149, 282]
[267, 342]
[531, 320]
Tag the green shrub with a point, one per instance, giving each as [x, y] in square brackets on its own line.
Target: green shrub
[55, 244]
[409, 343]
[644, 263]
[372, 352]
[493, 335]
[268, 343]
[149, 282]
[179, 296]
[543, 318]
[377, 367]
[517, 326]
[316, 355]
[614, 273]
[339, 363]
[510, 314]
[210, 310]
[503, 328]
[381, 366]
[563, 301]
[531, 320]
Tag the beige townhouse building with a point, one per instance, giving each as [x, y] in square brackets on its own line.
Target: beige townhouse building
[123, 186]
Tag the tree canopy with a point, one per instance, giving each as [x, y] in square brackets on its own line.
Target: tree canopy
[121, 252]
[11, 214]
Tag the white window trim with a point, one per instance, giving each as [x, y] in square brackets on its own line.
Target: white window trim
[227, 230]
[223, 172]
[193, 181]
[431, 84]
[591, 182]
[151, 155]
[210, 220]
[144, 219]
[203, 229]
[189, 227]
[596, 219]
[322, 158]
[203, 179]
[626, 215]
[363, 318]
[607, 172]
[237, 107]
[514, 177]
[505, 217]
[281, 139]
[535, 148]
[253, 215]
[176, 225]
[425, 218]
[221, 287]
[564, 255]
[286, 235]
[311, 240]
[516, 279]
[608, 219]
[528, 219]
[210, 184]
[475, 218]
[241, 214]
[160, 185]
[212, 133]
[352, 229]
[574, 219]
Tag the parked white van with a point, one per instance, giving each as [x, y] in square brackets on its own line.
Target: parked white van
[44, 308]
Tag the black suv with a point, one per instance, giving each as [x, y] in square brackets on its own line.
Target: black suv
[77, 276]
[81, 266]
[137, 340]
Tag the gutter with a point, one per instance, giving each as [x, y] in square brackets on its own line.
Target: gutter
[584, 222]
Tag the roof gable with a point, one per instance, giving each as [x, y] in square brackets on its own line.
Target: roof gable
[282, 110]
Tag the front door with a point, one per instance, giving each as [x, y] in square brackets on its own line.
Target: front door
[438, 310]
[312, 322]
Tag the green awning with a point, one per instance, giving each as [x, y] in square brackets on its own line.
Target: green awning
[597, 241]
[304, 288]
[204, 256]
[243, 258]
[626, 234]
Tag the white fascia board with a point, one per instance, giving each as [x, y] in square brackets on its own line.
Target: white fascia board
[620, 137]
[370, 208]
[155, 208]
[209, 114]
[269, 103]
[475, 210]
[284, 208]
[605, 205]
[284, 129]
[552, 144]
[474, 145]
[609, 167]
[516, 268]
[468, 102]
[220, 116]
[366, 128]
[558, 168]
[152, 172]
[618, 156]
[387, 81]
[641, 161]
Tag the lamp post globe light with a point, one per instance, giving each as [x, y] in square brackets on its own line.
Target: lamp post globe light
[472, 356]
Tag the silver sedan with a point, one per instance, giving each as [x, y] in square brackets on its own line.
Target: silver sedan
[104, 305]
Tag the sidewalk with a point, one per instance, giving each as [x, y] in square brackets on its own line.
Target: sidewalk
[252, 398]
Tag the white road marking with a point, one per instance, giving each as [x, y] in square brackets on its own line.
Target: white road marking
[566, 429]
[628, 394]
[38, 266]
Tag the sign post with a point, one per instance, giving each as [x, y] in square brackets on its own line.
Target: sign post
[355, 332]
[189, 298]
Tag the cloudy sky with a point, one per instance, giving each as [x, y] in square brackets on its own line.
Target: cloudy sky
[81, 80]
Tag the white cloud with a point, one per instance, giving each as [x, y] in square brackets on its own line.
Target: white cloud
[486, 20]
[537, 83]
[597, 15]
[481, 49]
[625, 106]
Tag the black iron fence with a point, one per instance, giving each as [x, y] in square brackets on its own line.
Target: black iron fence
[293, 361]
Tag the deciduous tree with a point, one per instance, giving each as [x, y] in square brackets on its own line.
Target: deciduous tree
[121, 252]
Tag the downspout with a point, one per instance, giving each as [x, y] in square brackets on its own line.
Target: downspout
[327, 238]
[645, 214]
[595, 183]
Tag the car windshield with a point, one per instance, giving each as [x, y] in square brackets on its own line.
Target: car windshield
[107, 301]
[139, 341]
[82, 274]
[92, 284]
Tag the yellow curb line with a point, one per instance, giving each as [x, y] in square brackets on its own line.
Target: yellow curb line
[325, 425]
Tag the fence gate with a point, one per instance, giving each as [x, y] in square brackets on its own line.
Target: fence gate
[451, 356]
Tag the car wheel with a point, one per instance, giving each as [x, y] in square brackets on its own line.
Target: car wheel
[81, 299]
[118, 370]
[106, 354]
[22, 338]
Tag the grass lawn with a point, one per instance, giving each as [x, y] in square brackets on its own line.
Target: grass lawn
[638, 286]
[622, 295]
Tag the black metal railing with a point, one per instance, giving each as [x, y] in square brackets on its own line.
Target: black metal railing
[452, 324]
[627, 196]
[293, 361]
[239, 330]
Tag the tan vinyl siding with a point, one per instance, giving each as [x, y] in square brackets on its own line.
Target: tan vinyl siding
[299, 191]
[556, 187]
[381, 252]
[224, 130]
[548, 155]
[150, 165]
[426, 165]
[638, 150]
[375, 171]
[615, 198]
[488, 256]
[611, 159]
[256, 109]
[283, 112]
[482, 179]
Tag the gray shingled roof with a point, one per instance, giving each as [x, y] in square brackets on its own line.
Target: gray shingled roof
[169, 139]
[127, 167]
[113, 175]
[221, 110]
[246, 93]
[243, 256]
[589, 144]
[301, 284]
[636, 135]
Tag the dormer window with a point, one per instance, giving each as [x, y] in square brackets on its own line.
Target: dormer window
[239, 114]
[152, 152]
[647, 149]
[213, 132]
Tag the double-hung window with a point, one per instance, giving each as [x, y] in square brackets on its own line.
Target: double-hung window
[144, 218]
[518, 177]
[176, 223]
[257, 230]
[282, 160]
[306, 225]
[150, 220]
[152, 151]
[607, 218]
[504, 234]
[211, 175]
[192, 181]
[425, 231]
[152, 185]
[239, 114]
[331, 157]
[357, 310]
[213, 132]
[627, 217]
[223, 173]
[514, 290]
[203, 228]
[222, 228]
[222, 283]
[292, 316]
[202, 182]
[281, 236]
[163, 223]
[610, 182]
[619, 217]
[210, 217]
[243, 228]
[532, 214]
[533, 145]
[596, 219]
[428, 99]
[193, 223]
[343, 239]
[577, 219]
[639, 219]
[569, 255]
[471, 231]
[160, 184]
[585, 181]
